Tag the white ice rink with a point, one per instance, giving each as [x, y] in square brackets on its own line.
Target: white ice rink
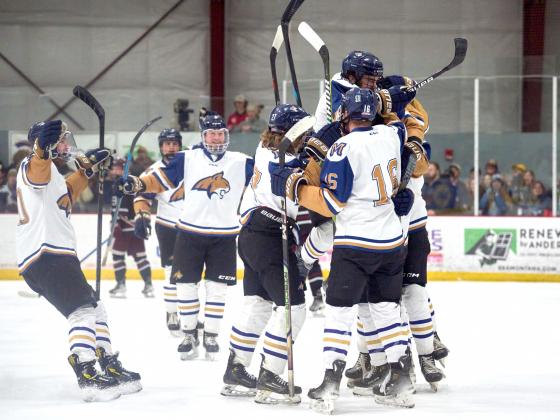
[504, 361]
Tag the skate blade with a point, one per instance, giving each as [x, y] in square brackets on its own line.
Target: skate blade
[149, 295]
[325, 406]
[127, 388]
[175, 333]
[442, 361]
[434, 386]
[237, 391]
[189, 355]
[91, 394]
[272, 398]
[211, 357]
[118, 296]
[403, 400]
[362, 392]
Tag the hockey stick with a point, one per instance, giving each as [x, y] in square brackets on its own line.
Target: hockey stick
[276, 44]
[461, 45]
[290, 11]
[319, 45]
[85, 96]
[293, 133]
[115, 215]
[89, 254]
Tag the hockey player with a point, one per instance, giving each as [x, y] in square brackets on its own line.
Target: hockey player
[170, 203]
[46, 252]
[260, 248]
[126, 242]
[213, 182]
[358, 179]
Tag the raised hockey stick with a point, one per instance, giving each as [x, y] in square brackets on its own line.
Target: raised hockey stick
[319, 45]
[293, 133]
[276, 44]
[85, 96]
[461, 45]
[290, 11]
[115, 213]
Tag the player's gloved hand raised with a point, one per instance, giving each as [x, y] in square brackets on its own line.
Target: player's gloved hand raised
[285, 181]
[403, 202]
[130, 185]
[94, 160]
[142, 226]
[395, 99]
[47, 136]
[387, 82]
[319, 143]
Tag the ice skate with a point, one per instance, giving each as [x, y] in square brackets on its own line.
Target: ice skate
[363, 387]
[173, 324]
[360, 369]
[148, 290]
[237, 381]
[188, 349]
[432, 374]
[396, 388]
[119, 291]
[200, 325]
[318, 306]
[272, 389]
[210, 345]
[440, 350]
[322, 398]
[129, 382]
[95, 386]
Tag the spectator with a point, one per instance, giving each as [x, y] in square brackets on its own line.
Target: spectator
[253, 124]
[492, 167]
[541, 200]
[436, 191]
[516, 183]
[8, 193]
[142, 161]
[459, 190]
[240, 113]
[524, 194]
[496, 200]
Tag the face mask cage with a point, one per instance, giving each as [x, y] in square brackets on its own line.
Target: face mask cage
[215, 149]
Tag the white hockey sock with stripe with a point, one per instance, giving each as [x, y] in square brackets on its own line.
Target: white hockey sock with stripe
[337, 333]
[390, 329]
[371, 340]
[102, 334]
[415, 300]
[215, 305]
[188, 305]
[81, 335]
[169, 292]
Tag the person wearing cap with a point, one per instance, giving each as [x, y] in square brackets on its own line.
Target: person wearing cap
[491, 167]
[516, 185]
[253, 124]
[240, 113]
[496, 201]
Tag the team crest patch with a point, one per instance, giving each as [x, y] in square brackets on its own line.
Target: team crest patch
[65, 203]
[214, 184]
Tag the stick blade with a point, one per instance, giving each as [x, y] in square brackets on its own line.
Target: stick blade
[85, 96]
[278, 39]
[461, 45]
[310, 36]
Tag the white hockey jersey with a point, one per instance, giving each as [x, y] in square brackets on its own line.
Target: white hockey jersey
[44, 217]
[259, 193]
[339, 86]
[212, 189]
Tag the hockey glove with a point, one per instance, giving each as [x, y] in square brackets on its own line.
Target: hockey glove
[403, 201]
[47, 138]
[130, 185]
[394, 100]
[93, 160]
[303, 268]
[142, 226]
[319, 143]
[394, 80]
[285, 182]
[413, 149]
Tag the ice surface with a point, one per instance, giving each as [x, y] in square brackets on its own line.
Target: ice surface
[504, 360]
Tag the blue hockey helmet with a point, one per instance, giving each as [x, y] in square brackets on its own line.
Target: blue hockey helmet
[284, 116]
[170, 134]
[212, 124]
[360, 63]
[359, 104]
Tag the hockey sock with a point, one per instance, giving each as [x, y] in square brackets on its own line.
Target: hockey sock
[415, 299]
[214, 306]
[188, 305]
[315, 277]
[245, 332]
[432, 312]
[274, 347]
[318, 242]
[337, 333]
[81, 335]
[119, 265]
[368, 336]
[143, 267]
[364, 318]
[102, 334]
[169, 292]
[390, 329]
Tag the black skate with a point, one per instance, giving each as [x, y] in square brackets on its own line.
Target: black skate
[188, 349]
[359, 370]
[119, 291]
[237, 381]
[173, 324]
[363, 387]
[431, 373]
[272, 389]
[396, 388]
[323, 397]
[200, 325]
[440, 350]
[129, 382]
[210, 345]
[95, 386]
[148, 290]
[318, 306]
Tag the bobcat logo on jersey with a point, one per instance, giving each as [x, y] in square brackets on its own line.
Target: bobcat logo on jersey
[214, 184]
[65, 203]
[178, 194]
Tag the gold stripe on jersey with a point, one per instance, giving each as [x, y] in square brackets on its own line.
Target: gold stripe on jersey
[417, 122]
[153, 185]
[38, 171]
[365, 244]
[77, 182]
[311, 198]
[40, 252]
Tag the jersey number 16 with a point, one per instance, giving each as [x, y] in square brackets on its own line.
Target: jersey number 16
[383, 194]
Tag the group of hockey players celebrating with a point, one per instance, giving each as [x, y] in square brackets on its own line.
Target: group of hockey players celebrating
[353, 184]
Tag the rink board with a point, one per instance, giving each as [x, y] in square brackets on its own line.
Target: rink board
[463, 248]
